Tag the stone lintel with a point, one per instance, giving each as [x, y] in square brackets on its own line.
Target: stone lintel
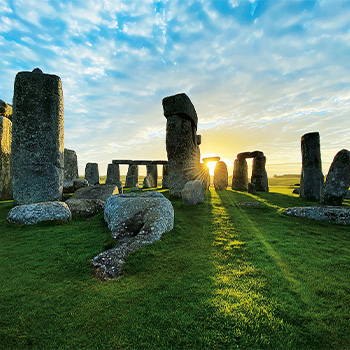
[139, 162]
[253, 154]
[211, 159]
[181, 105]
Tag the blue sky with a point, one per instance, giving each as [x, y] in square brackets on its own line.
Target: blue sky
[259, 73]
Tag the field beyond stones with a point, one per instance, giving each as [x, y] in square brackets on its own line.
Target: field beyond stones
[227, 276]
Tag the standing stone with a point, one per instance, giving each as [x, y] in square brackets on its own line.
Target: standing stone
[165, 175]
[220, 176]
[338, 179]
[5, 110]
[132, 177]
[259, 174]
[113, 174]
[240, 175]
[70, 165]
[311, 180]
[152, 176]
[181, 142]
[37, 138]
[92, 174]
[5, 158]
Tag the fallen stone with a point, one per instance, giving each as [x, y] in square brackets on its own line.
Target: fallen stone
[338, 179]
[335, 215]
[192, 193]
[30, 214]
[134, 220]
[85, 207]
[80, 183]
[249, 204]
[90, 200]
[68, 187]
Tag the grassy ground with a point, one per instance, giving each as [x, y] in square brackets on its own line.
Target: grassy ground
[226, 277]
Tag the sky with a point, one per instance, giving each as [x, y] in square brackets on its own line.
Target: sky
[260, 73]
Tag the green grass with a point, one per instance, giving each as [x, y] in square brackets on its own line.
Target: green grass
[225, 277]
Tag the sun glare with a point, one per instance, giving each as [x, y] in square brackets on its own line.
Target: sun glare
[211, 166]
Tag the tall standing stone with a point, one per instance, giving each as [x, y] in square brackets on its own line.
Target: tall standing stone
[113, 174]
[220, 176]
[311, 180]
[338, 179]
[259, 174]
[37, 138]
[240, 175]
[70, 165]
[152, 176]
[5, 158]
[92, 174]
[165, 174]
[181, 142]
[132, 177]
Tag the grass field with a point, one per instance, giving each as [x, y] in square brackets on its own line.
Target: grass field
[226, 277]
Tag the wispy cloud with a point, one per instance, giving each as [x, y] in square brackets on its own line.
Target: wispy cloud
[259, 73]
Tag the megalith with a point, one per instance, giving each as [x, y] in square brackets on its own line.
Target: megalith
[311, 180]
[37, 138]
[338, 179]
[152, 176]
[220, 176]
[132, 176]
[5, 158]
[240, 175]
[70, 165]
[181, 142]
[113, 174]
[259, 174]
[92, 174]
[165, 174]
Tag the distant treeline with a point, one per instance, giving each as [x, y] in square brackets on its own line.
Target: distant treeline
[286, 176]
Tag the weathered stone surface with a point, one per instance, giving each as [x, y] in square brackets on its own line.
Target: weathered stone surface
[113, 174]
[180, 105]
[68, 187]
[132, 176]
[29, 214]
[338, 179]
[90, 200]
[92, 174]
[96, 192]
[70, 165]
[134, 220]
[259, 174]
[311, 180]
[240, 175]
[183, 154]
[5, 110]
[199, 140]
[5, 158]
[85, 207]
[79, 183]
[220, 176]
[192, 193]
[151, 179]
[347, 195]
[335, 215]
[251, 188]
[165, 174]
[37, 138]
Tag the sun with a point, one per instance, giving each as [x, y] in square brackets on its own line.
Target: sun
[211, 166]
